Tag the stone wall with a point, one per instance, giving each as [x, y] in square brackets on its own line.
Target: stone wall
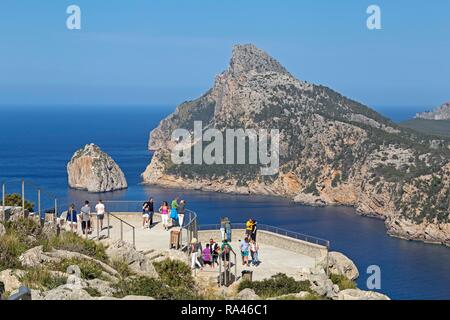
[265, 237]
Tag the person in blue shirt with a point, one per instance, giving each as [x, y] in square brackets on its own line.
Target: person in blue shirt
[72, 218]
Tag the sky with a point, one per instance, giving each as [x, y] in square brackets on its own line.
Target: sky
[163, 52]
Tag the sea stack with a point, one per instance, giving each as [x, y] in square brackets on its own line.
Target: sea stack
[93, 170]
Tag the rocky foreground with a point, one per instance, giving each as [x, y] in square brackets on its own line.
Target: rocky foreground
[68, 267]
[333, 150]
[93, 170]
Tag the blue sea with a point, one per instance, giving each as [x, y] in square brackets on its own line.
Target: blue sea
[37, 142]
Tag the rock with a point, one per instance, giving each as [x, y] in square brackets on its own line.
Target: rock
[300, 295]
[440, 113]
[320, 283]
[102, 286]
[138, 262]
[248, 294]
[357, 294]
[35, 257]
[76, 281]
[10, 279]
[137, 298]
[93, 170]
[49, 230]
[342, 265]
[2, 229]
[74, 270]
[67, 292]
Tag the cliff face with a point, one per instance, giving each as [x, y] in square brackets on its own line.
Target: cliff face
[333, 151]
[93, 170]
[441, 113]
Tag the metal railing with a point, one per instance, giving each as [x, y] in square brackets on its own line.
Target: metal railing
[276, 230]
[122, 222]
[226, 278]
[23, 294]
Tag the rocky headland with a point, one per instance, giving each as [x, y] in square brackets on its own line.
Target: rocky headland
[333, 150]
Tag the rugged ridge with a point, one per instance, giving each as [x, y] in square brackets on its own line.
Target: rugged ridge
[93, 170]
[333, 150]
[440, 113]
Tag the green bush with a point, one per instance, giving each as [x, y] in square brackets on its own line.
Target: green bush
[41, 279]
[93, 292]
[342, 282]
[121, 267]
[89, 269]
[175, 273]
[278, 285]
[144, 286]
[71, 242]
[11, 247]
[15, 200]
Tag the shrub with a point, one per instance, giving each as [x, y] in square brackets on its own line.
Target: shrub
[71, 242]
[15, 200]
[89, 269]
[121, 267]
[93, 292]
[41, 279]
[342, 282]
[174, 273]
[278, 285]
[11, 247]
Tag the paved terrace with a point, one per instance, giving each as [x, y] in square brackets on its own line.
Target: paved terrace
[278, 253]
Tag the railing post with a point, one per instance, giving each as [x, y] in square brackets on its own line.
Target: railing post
[328, 250]
[134, 238]
[220, 269]
[3, 201]
[23, 197]
[107, 219]
[121, 230]
[56, 210]
[39, 203]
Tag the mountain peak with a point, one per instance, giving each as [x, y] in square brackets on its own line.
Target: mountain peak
[247, 57]
[440, 113]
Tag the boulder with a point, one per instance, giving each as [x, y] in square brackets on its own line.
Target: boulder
[102, 286]
[138, 262]
[300, 295]
[49, 230]
[35, 257]
[76, 281]
[67, 292]
[341, 265]
[357, 294]
[248, 294]
[74, 270]
[10, 279]
[93, 170]
[320, 283]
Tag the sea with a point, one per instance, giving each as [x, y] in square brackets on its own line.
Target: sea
[36, 142]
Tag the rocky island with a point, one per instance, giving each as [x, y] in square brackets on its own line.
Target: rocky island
[333, 150]
[440, 113]
[93, 170]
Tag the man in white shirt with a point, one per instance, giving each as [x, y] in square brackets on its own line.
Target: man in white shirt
[100, 208]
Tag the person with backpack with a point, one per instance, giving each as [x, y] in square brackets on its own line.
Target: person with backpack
[245, 248]
[226, 249]
[206, 255]
[214, 249]
[174, 211]
[86, 218]
[147, 207]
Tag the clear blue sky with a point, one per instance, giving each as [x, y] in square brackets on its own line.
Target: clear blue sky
[153, 52]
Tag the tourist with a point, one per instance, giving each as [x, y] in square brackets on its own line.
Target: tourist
[248, 227]
[72, 218]
[145, 214]
[245, 247]
[226, 249]
[100, 209]
[164, 210]
[254, 248]
[174, 211]
[194, 248]
[228, 230]
[181, 212]
[206, 255]
[86, 218]
[254, 229]
[150, 212]
[222, 227]
[214, 249]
